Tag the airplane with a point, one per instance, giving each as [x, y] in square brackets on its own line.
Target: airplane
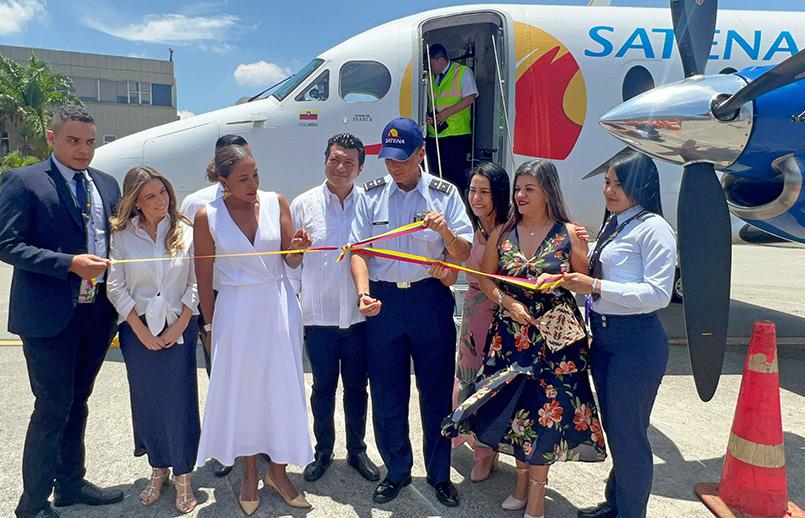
[747, 124]
[545, 75]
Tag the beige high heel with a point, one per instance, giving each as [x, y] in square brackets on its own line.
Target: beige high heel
[480, 473]
[298, 501]
[537, 483]
[151, 493]
[515, 504]
[249, 506]
[188, 500]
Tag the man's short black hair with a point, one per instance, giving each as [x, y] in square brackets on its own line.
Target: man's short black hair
[437, 51]
[70, 112]
[230, 140]
[346, 141]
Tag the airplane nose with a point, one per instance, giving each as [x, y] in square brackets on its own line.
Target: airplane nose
[674, 122]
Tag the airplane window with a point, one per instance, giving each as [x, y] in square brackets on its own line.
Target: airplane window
[318, 90]
[636, 81]
[290, 85]
[364, 81]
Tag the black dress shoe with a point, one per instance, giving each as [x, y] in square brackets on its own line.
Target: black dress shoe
[602, 510]
[89, 494]
[364, 466]
[446, 492]
[316, 469]
[48, 512]
[387, 490]
[219, 470]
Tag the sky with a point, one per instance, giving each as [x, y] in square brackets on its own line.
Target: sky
[224, 50]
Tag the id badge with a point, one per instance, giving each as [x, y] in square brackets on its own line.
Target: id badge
[89, 288]
[419, 216]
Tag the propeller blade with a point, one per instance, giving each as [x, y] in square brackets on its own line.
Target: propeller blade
[705, 258]
[694, 28]
[602, 169]
[787, 72]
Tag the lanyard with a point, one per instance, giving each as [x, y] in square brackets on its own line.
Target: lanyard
[599, 247]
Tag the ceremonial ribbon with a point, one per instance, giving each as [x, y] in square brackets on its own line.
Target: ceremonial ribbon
[361, 247]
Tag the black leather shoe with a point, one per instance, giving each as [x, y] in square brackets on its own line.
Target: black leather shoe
[602, 510]
[89, 494]
[48, 512]
[387, 490]
[219, 470]
[364, 466]
[314, 470]
[446, 492]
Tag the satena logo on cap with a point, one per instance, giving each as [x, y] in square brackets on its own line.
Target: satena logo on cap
[401, 137]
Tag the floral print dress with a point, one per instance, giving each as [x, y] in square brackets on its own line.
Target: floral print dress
[549, 414]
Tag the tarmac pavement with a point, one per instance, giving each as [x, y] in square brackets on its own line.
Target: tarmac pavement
[689, 437]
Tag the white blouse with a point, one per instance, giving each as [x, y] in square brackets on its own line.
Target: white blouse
[157, 289]
[637, 267]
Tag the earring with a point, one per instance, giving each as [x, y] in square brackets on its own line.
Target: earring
[138, 208]
[227, 192]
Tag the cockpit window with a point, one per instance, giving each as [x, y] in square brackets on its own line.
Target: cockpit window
[295, 80]
[318, 90]
[364, 81]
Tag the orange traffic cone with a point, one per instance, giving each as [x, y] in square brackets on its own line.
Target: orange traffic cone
[753, 481]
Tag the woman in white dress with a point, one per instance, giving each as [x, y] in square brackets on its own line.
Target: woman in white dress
[256, 398]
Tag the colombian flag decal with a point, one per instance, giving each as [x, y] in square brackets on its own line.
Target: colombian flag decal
[309, 115]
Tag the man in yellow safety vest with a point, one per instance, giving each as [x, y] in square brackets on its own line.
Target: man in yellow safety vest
[452, 90]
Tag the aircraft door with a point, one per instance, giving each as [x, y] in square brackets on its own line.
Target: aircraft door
[478, 41]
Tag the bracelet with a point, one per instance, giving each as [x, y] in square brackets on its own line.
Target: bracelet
[595, 285]
[455, 236]
[500, 297]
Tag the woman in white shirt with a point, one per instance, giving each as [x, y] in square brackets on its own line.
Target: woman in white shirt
[155, 301]
[630, 278]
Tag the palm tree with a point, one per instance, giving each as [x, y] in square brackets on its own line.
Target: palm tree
[14, 160]
[26, 93]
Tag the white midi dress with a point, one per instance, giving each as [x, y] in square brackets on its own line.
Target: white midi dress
[256, 398]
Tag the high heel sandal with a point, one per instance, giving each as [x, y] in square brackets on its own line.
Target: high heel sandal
[515, 504]
[297, 501]
[151, 493]
[188, 502]
[540, 484]
[480, 473]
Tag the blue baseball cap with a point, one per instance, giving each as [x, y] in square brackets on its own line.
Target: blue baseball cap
[401, 137]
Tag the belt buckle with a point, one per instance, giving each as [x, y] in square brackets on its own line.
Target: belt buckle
[403, 285]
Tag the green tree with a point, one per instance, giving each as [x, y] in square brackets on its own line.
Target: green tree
[16, 159]
[27, 92]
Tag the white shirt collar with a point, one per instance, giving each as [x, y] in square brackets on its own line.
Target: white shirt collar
[420, 185]
[65, 171]
[628, 213]
[329, 195]
[162, 228]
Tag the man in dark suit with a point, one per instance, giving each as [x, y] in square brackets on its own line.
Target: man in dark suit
[54, 230]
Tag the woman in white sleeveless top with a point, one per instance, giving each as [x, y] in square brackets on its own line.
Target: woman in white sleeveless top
[256, 398]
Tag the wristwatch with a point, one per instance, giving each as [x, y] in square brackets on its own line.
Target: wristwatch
[207, 328]
[362, 295]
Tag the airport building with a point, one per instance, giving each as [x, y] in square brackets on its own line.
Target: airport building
[124, 95]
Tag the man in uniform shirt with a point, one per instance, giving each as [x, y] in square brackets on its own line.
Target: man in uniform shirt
[452, 90]
[409, 312]
[54, 230]
[334, 327]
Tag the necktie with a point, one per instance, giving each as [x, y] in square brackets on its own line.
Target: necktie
[595, 263]
[81, 193]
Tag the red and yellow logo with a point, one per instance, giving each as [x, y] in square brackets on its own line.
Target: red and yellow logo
[550, 99]
[393, 133]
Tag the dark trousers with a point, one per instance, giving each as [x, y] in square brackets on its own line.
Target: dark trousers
[62, 371]
[331, 350]
[414, 323]
[454, 151]
[628, 359]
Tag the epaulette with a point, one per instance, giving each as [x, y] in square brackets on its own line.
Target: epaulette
[646, 215]
[441, 185]
[374, 184]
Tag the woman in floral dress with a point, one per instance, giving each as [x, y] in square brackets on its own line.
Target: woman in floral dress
[547, 414]
[488, 200]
